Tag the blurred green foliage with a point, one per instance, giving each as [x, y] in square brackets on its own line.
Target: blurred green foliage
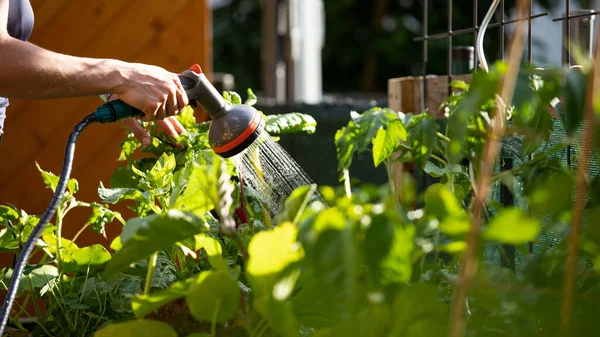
[367, 42]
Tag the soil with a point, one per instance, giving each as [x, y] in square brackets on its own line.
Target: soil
[177, 314]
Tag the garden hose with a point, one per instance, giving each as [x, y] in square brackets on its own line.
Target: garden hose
[233, 128]
[39, 228]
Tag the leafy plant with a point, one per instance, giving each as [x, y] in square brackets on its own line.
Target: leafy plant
[199, 259]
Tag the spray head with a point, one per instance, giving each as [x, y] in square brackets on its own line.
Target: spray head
[234, 127]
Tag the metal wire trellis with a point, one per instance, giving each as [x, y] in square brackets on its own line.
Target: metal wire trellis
[507, 162]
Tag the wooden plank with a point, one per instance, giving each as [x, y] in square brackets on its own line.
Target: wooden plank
[45, 11]
[405, 94]
[72, 110]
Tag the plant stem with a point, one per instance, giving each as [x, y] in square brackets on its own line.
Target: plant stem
[582, 186]
[440, 136]
[79, 233]
[507, 173]
[36, 305]
[468, 267]
[347, 183]
[440, 160]
[150, 273]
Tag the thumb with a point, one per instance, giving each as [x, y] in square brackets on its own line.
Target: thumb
[138, 130]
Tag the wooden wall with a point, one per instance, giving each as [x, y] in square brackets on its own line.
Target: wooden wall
[173, 34]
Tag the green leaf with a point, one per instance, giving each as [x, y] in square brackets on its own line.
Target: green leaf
[115, 195]
[232, 97]
[427, 315]
[39, 277]
[478, 97]
[124, 177]
[358, 135]
[335, 264]
[146, 328]
[593, 229]
[512, 226]
[91, 256]
[101, 216]
[387, 141]
[186, 117]
[574, 93]
[7, 213]
[252, 99]
[436, 171]
[160, 233]
[50, 179]
[537, 132]
[128, 147]
[295, 204]
[73, 186]
[541, 190]
[143, 305]
[201, 194]
[271, 251]
[388, 249]
[443, 205]
[290, 123]
[213, 294]
[161, 174]
[213, 250]
[422, 131]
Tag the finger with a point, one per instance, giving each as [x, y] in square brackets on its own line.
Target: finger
[182, 99]
[161, 113]
[138, 131]
[176, 124]
[150, 114]
[172, 105]
[167, 128]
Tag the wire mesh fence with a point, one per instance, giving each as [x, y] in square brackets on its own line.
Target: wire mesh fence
[577, 25]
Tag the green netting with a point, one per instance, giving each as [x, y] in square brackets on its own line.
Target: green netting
[552, 233]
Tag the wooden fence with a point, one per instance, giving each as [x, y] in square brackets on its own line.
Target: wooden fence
[172, 34]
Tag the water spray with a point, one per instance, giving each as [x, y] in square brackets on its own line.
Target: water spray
[234, 127]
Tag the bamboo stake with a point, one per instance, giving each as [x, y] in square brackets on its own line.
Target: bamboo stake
[491, 152]
[582, 186]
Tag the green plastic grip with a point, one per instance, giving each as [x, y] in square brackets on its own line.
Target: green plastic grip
[114, 111]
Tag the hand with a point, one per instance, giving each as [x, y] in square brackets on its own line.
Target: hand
[169, 125]
[152, 90]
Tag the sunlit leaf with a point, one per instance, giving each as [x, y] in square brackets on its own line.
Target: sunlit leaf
[83, 258]
[290, 123]
[7, 213]
[387, 140]
[101, 216]
[512, 226]
[213, 294]
[294, 205]
[213, 250]
[146, 328]
[271, 251]
[252, 99]
[359, 133]
[442, 204]
[161, 232]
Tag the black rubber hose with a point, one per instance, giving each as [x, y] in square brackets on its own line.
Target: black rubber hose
[39, 228]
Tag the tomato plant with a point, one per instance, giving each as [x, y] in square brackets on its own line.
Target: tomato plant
[201, 258]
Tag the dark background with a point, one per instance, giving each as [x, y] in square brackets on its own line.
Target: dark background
[367, 41]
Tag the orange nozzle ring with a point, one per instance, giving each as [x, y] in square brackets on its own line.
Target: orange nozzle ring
[241, 138]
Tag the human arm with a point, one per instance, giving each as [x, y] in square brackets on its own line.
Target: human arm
[31, 72]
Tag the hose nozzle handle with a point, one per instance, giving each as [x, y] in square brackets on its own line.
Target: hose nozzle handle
[197, 88]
